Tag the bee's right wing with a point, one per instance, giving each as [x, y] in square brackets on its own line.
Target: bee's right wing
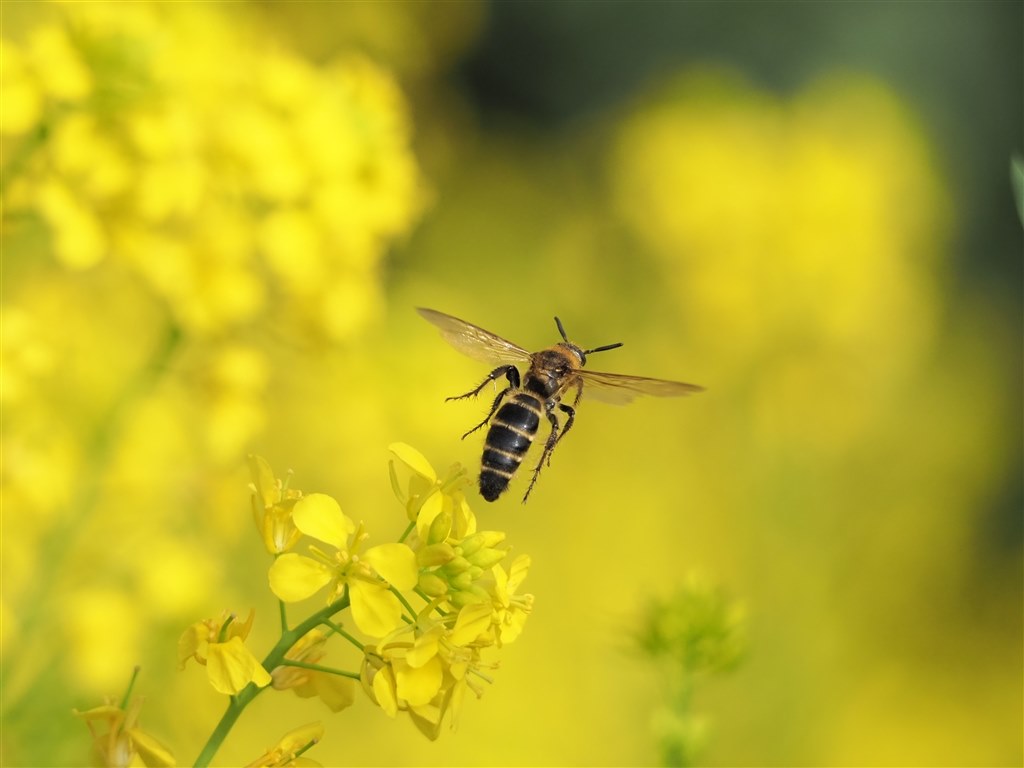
[474, 341]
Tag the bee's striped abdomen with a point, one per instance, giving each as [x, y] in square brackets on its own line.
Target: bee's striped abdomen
[511, 432]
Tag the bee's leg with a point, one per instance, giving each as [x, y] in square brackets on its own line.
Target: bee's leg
[549, 446]
[510, 372]
[494, 408]
[571, 414]
[579, 394]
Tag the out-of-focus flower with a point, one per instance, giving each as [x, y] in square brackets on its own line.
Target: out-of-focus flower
[233, 176]
[272, 505]
[365, 575]
[219, 646]
[118, 740]
[287, 752]
[336, 691]
[776, 226]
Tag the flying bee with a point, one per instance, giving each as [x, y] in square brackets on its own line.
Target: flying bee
[517, 410]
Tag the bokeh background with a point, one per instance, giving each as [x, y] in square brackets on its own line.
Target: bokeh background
[218, 218]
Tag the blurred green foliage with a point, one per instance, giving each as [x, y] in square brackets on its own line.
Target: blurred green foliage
[217, 220]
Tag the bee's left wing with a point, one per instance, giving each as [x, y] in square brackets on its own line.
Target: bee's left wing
[619, 389]
[474, 341]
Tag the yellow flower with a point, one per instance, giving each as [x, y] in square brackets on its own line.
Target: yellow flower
[427, 497]
[272, 504]
[335, 691]
[219, 646]
[365, 575]
[510, 609]
[286, 752]
[123, 740]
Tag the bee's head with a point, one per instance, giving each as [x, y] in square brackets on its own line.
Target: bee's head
[579, 351]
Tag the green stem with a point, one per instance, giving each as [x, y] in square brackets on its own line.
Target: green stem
[273, 660]
[22, 153]
[319, 668]
[403, 601]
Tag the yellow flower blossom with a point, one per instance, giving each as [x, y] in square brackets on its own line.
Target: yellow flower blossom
[272, 504]
[336, 691]
[288, 750]
[169, 123]
[123, 741]
[426, 496]
[425, 669]
[510, 609]
[220, 647]
[365, 575]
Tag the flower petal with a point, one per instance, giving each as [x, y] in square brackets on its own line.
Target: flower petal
[152, 752]
[419, 685]
[374, 609]
[396, 563]
[473, 621]
[232, 666]
[319, 516]
[414, 460]
[384, 691]
[294, 577]
[335, 691]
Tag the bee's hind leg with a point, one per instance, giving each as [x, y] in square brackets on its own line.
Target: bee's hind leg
[510, 372]
[557, 433]
[494, 408]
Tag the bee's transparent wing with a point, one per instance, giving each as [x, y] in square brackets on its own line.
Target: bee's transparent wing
[618, 389]
[474, 341]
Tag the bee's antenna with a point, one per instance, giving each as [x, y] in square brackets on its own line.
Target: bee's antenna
[605, 348]
[561, 330]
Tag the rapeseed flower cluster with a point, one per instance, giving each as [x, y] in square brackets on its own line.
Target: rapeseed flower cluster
[812, 224]
[418, 660]
[236, 180]
[182, 197]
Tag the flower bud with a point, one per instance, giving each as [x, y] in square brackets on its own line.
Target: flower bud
[481, 540]
[432, 584]
[435, 554]
[487, 558]
[456, 566]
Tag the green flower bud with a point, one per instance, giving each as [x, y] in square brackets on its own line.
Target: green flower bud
[435, 554]
[487, 558]
[433, 584]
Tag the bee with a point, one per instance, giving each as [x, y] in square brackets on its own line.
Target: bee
[517, 410]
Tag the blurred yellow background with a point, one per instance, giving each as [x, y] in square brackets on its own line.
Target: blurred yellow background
[217, 222]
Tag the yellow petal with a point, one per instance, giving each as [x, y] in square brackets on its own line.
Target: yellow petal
[319, 516]
[232, 666]
[152, 752]
[374, 609]
[414, 460]
[384, 691]
[295, 740]
[425, 647]
[263, 478]
[419, 685]
[294, 577]
[191, 641]
[517, 572]
[432, 506]
[472, 622]
[335, 691]
[396, 563]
